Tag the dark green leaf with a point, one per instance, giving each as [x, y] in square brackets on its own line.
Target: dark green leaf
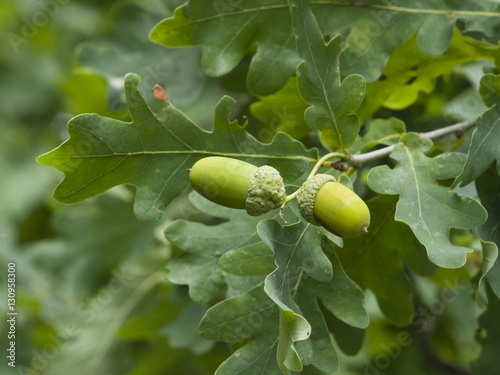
[204, 245]
[154, 151]
[256, 259]
[253, 317]
[488, 190]
[429, 208]
[489, 336]
[228, 30]
[375, 260]
[490, 89]
[323, 355]
[483, 150]
[183, 333]
[375, 29]
[303, 264]
[331, 101]
[490, 271]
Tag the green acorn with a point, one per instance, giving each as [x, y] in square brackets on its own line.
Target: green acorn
[236, 184]
[323, 201]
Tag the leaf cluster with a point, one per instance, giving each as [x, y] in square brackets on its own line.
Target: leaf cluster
[320, 77]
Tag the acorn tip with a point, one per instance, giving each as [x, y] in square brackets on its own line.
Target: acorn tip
[365, 230]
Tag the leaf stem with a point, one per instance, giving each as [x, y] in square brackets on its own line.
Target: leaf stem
[288, 199]
[325, 158]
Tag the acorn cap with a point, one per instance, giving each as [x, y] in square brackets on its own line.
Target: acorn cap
[266, 191]
[306, 195]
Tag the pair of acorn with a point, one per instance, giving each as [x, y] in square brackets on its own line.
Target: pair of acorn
[322, 201]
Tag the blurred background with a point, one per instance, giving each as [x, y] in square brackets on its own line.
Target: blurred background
[91, 292]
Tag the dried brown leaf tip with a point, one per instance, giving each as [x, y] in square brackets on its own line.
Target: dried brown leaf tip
[160, 94]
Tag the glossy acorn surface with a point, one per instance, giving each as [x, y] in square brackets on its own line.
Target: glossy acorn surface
[341, 211]
[237, 184]
[323, 201]
[224, 181]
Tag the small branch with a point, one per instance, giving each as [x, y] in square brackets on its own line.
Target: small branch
[357, 161]
[348, 164]
[460, 127]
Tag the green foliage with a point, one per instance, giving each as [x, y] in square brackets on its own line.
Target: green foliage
[487, 363]
[410, 71]
[331, 103]
[138, 274]
[302, 264]
[482, 151]
[228, 31]
[199, 266]
[415, 180]
[103, 152]
[375, 261]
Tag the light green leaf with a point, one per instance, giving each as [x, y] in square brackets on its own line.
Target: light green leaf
[154, 150]
[430, 209]
[331, 101]
[488, 336]
[88, 92]
[283, 111]
[483, 149]
[410, 71]
[378, 28]
[377, 260]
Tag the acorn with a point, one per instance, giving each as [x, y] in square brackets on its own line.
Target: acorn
[323, 201]
[236, 184]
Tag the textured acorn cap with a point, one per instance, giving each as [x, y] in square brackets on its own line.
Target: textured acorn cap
[266, 191]
[306, 195]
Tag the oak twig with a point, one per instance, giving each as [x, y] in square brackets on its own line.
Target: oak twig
[357, 161]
